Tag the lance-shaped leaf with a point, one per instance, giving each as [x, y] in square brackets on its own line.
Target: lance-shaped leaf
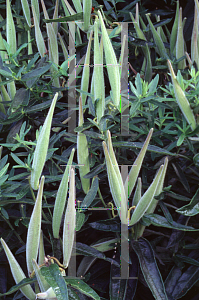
[86, 71]
[146, 199]
[34, 229]
[61, 198]
[42, 147]
[43, 284]
[158, 41]
[154, 202]
[111, 62]
[69, 222]
[180, 42]
[39, 38]
[135, 169]
[116, 186]
[98, 75]
[17, 272]
[182, 100]
[87, 5]
[82, 153]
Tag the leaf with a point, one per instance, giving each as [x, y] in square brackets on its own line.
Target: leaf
[192, 208]
[106, 225]
[149, 268]
[91, 194]
[124, 288]
[162, 222]
[76, 17]
[181, 176]
[56, 281]
[18, 286]
[82, 287]
[36, 73]
[86, 250]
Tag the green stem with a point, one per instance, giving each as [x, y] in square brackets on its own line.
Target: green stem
[18, 236]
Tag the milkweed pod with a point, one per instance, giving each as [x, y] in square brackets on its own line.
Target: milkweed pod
[146, 199]
[83, 153]
[42, 147]
[39, 38]
[154, 202]
[116, 186]
[86, 71]
[61, 198]
[17, 272]
[111, 62]
[135, 169]
[26, 11]
[69, 222]
[181, 99]
[87, 5]
[34, 229]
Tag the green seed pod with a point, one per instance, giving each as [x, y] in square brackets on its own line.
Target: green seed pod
[69, 222]
[34, 229]
[42, 147]
[181, 99]
[87, 5]
[111, 62]
[83, 153]
[39, 38]
[146, 199]
[61, 198]
[17, 272]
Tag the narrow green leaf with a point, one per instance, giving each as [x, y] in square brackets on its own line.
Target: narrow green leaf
[84, 288]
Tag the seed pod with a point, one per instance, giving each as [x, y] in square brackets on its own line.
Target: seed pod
[146, 199]
[17, 272]
[34, 229]
[69, 222]
[135, 169]
[61, 198]
[82, 153]
[111, 62]
[87, 5]
[42, 147]
[26, 11]
[39, 38]
[181, 99]
[116, 185]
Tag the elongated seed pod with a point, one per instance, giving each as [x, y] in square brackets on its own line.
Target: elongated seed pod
[26, 11]
[42, 147]
[69, 222]
[98, 75]
[116, 186]
[87, 5]
[38, 34]
[86, 71]
[111, 62]
[34, 229]
[61, 198]
[17, 272]
[181, 99]
[174, 30]
[146, 199]
[180, 42]
[83, 153]
[135, 169]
